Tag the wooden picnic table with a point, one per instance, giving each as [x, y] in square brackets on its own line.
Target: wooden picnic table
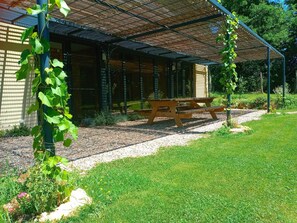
[179, 108]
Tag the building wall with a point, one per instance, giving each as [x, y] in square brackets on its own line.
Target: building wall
[15, 97]
[200, 80]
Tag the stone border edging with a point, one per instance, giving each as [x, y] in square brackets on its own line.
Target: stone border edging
[151, 147]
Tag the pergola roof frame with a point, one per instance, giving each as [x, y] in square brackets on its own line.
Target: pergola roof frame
[113, 39]
[223, 9]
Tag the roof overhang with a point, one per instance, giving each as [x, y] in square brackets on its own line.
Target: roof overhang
[184, 30]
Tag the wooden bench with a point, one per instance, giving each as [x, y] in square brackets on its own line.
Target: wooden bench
[148, 111]
[179, 108]
[201, 110]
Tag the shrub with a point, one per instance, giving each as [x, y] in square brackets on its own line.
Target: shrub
[223, 131]
[9, 187]
[88, 122]
[21, 130]
[134, 116]
[43, 192]
[259, 102]
[104, 118]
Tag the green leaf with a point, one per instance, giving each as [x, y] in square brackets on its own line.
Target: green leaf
[24, 56]
[35, 130]
[53, 119]
[35, 10]
[57, 63]
[43, 98]
[23, 72]
[59, 136]
[49, 81]
[35, 84]
[62, 5]
[58, 82]
[26, 33]
[34, 107]
[67, 142]
[68, 115]
[73, 130]
[38, 48]
[57, 91]
[64, 124]
[62, 75]
[46, 45]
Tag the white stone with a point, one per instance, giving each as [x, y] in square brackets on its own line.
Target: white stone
[152, 146]
[78, 198]
[292, 113]
[240, 129]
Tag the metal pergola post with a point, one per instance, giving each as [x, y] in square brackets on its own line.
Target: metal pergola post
[183, 82]
[43, 30]
[284, 79]
[141, 84]
[124, 83]
[103, 81]
[156, 79]
[176, 76]
[109, 78]
[268, 79]
[172, 79]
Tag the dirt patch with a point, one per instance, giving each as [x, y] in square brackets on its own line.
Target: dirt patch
[17, 151]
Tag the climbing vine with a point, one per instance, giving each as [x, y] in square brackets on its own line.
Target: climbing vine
[50, 90]
[229, 78]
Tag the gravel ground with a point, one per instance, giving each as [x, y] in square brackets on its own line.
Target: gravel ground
[126, 139]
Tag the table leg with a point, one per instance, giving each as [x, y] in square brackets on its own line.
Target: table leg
[152, 115]
[176, 118]
[212, 113]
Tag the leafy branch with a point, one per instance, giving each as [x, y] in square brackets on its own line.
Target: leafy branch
[229, 77]
[50, 91]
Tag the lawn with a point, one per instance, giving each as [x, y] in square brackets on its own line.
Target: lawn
[223, 178]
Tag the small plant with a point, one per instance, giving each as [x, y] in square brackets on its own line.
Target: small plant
[259, 102]
[160, 95]
[104, 118]
[223, 131]
[88, 122]
[279, 90]
[134, 117]
[9, 187]
[21, 130]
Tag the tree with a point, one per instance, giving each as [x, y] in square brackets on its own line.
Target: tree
[277, 25]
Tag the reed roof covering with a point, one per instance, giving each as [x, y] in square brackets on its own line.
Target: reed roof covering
[185, 30]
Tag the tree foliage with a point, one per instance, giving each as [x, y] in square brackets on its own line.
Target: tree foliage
[277, 24]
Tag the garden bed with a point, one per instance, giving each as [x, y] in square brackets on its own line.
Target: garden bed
[17, 151]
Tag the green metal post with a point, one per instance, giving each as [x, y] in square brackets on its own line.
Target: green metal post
[156, 79]
[124, 83]
[284, 79]
[171, 80]
[43, 30]
[168, 78]
[268, 79]
[229, 117]
[176, 76]
[109, 79]
[103, 82]
[141, 84]
[183, 82]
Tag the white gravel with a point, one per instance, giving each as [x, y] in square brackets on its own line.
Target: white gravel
[151, 147]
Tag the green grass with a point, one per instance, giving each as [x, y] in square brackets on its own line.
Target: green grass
[230, 178]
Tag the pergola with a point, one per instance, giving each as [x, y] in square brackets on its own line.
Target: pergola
[183, 30]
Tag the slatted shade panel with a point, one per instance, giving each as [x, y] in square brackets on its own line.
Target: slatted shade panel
[186, 29]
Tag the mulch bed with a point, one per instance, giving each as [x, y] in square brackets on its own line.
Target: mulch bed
[17, 151]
